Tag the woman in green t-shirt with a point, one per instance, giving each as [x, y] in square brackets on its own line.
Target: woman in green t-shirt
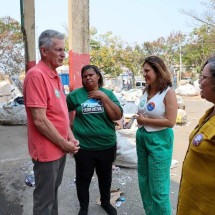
[96, 109]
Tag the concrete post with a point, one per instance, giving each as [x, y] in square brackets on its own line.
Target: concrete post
[28, 30]
[78, 27]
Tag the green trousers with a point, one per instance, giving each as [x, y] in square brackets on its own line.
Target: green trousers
[154, 153]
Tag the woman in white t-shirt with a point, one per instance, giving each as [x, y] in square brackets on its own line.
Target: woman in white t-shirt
[157, 113]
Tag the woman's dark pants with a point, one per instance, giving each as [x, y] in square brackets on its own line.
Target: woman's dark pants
[86, 162]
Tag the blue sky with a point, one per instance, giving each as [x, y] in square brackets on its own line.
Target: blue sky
[132, 20]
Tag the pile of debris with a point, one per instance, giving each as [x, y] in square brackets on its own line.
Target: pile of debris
[12, 109]
[126, 127]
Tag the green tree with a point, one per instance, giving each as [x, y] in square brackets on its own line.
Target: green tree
[167, 48]
[111, 54]
[132, 58]
[200, 46]
[11, 47]
[103, 52]
[201, 42]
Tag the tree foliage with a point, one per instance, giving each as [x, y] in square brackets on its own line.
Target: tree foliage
[200, 46]
[207, 18]
[201, 42]
[104, 52]
[111, 54]
[166, 48]
[11, 47]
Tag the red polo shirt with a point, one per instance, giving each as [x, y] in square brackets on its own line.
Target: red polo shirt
[43, 89]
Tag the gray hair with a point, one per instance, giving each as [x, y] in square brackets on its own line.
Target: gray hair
[45, 38]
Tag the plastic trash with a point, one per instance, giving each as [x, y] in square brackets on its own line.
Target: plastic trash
[29, 180]
[129, 124]
[119, 201]
[122, 199]
[19, 100]
[173, 164]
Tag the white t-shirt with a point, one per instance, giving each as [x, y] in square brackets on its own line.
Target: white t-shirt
[153, 108]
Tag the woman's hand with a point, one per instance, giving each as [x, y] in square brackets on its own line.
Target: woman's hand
[140, 118]
[113, 111]
[97, 94]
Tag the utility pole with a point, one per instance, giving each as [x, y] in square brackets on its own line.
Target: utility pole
[180, 61]
[28, 30]
[78, 27]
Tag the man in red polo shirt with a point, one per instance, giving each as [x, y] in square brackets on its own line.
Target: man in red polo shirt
[49, 133]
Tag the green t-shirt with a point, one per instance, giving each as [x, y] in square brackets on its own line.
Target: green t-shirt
[92, 126]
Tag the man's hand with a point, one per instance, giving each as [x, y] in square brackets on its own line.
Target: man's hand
[71, 146]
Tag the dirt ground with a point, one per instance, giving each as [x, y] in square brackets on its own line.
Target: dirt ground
[15, 164]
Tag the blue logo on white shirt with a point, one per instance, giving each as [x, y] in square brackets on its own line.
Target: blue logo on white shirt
[151, 106]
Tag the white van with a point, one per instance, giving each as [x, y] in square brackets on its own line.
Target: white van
[140, 84]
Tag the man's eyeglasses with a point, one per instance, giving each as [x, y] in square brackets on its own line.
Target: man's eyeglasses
[203, 77]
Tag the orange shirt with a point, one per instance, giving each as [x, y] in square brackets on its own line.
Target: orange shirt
[43, 89]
